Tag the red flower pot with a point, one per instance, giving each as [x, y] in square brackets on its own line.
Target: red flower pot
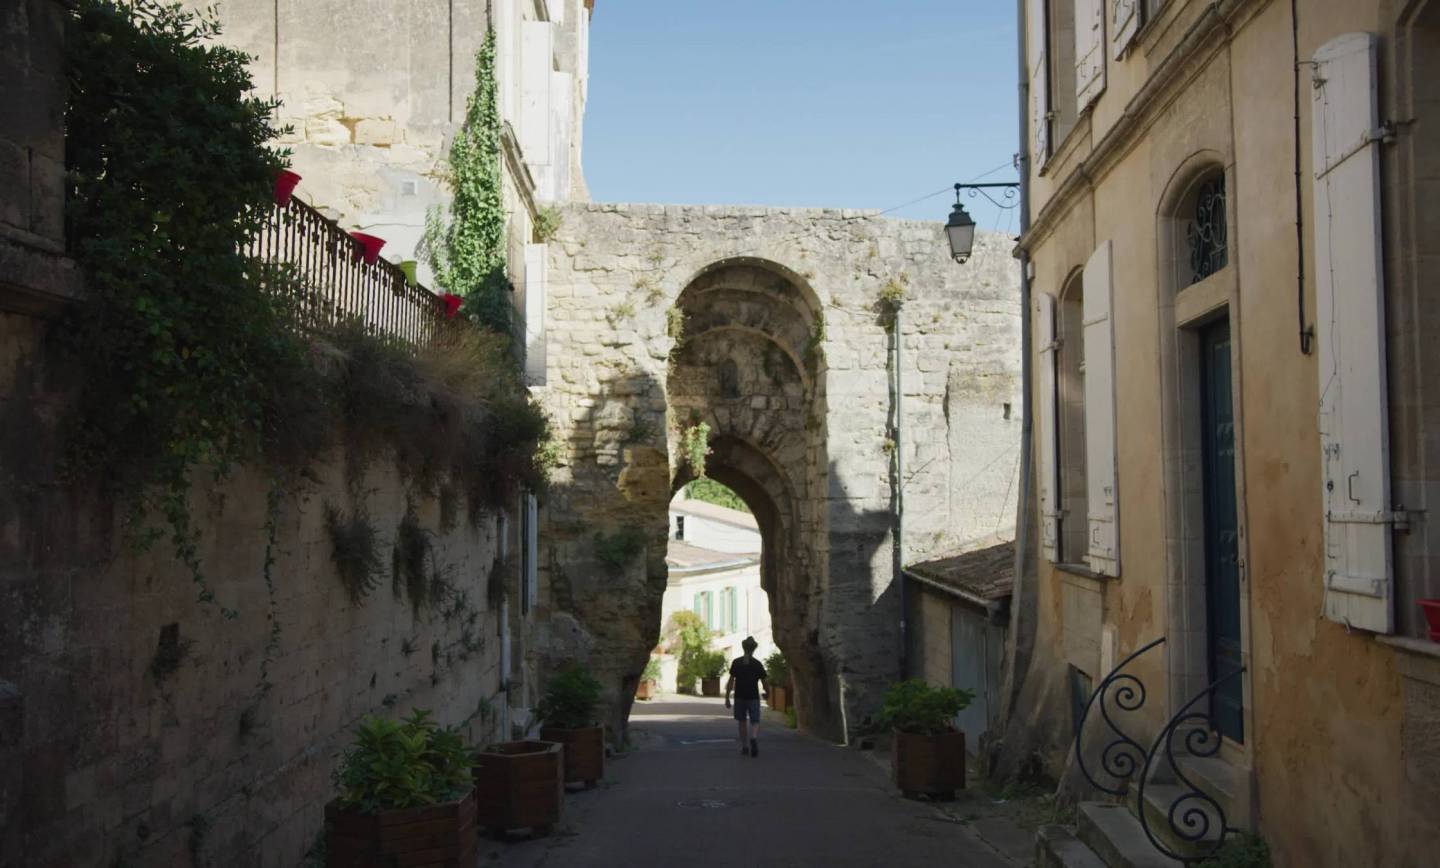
[369, 247]
[452, 304]
[1431, 608]
[285, 186]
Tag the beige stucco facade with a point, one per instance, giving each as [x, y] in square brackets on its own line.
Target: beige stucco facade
[1337, 762]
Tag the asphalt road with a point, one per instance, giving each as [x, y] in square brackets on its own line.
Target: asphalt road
[687, 797]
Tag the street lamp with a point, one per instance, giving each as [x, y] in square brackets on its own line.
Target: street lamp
[960, 228]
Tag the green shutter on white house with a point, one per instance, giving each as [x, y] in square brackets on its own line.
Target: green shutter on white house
[1045, 428]
[1089, 52]
[1102, 550]
[1350, 335]
[734, 617]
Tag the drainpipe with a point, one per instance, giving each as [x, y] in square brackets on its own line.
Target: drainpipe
[898, 549]
[1021, 638]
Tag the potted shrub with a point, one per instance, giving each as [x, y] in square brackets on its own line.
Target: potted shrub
[568, 714]
[648, 679]
[928, 754]
[779, 679]
[1431, 608]
[519, 785]
[711, 665]
[406, 797]
[687, 636]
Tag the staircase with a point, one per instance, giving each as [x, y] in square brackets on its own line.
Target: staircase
[1171, 803]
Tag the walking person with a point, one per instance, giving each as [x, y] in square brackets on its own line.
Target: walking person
[746, 676]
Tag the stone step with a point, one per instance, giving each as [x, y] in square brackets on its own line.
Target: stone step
[1115, 835]
[1057, 847]
[1194, 817]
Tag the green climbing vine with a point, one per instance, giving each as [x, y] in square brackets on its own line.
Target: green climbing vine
[695, 441]
[468, 251]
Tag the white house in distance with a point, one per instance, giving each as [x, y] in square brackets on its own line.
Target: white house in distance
[714, 561]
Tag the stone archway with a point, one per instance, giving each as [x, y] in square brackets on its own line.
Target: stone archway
[750, 364]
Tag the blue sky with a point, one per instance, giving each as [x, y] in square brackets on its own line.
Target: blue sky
[845, 103]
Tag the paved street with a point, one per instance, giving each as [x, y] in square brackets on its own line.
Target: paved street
[687, 796]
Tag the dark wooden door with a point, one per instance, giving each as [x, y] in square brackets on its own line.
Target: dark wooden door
[1222, 554]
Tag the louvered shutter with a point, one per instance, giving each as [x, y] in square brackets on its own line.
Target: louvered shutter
[1089, 51]
[1124, 24]
[1350, 326]
[1048, 485]
[1102, 548]
[1038, 58]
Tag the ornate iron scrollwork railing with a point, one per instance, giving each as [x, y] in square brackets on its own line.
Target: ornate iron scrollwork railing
[1123, 756]
[1192, 814]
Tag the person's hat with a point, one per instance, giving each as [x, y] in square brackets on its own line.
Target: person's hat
[749, 644]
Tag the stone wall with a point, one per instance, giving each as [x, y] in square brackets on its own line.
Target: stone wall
[137, 723]
[787, 357]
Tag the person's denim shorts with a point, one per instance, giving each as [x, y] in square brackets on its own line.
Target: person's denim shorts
[747, 706]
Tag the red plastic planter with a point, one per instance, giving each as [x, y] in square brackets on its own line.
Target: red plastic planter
[452, 304]
[285, 186]
[369, 247]
[1431, 608]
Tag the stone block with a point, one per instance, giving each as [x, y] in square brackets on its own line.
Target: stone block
[377, 131]
[326, 132]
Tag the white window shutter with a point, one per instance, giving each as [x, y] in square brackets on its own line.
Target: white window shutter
[1048, 484]
[532, 552]
[533, 311]
[1089, 51]
[1038, 58]
[1102, 547]
[1350, 325]
[1124, 24]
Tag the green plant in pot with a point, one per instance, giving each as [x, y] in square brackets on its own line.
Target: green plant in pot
[778, 670]
[710, 665]
[687, 636]
[649, 678]
[928, 752]
[568, 711]
[398, 777]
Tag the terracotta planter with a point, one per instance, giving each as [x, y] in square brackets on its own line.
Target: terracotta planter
[710, 687]
[442, 835]
[1431, 608]
[929, 765]
[369, 248]
[285, 183]
[644, 690]
[584, 752]
[519, 785]
[779, 698]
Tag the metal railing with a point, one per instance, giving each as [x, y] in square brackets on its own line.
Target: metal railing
[336, 284]
[1122, 756]
[1195, 820]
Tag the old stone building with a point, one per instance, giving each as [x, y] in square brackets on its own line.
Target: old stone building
[769, 327]
[1232, 231]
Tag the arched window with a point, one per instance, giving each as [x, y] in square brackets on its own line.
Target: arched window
[1203, 238]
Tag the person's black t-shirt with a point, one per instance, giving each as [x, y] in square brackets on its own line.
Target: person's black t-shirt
[747, 675]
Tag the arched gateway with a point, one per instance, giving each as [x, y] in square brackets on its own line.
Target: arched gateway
[762, 326]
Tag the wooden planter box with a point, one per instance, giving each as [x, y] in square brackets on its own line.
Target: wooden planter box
[584, 752]
[780, 699]
[644, 690]
[519, 785]
[929, 765]
[442, 836]
[710, 686]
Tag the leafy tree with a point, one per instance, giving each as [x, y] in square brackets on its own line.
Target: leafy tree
[710, 491]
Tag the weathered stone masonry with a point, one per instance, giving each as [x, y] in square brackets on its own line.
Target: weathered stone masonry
[786, 355]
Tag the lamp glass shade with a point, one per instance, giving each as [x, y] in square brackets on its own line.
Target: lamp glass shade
[960, 229]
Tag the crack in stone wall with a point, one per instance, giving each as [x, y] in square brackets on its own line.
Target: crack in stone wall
[787, 356]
